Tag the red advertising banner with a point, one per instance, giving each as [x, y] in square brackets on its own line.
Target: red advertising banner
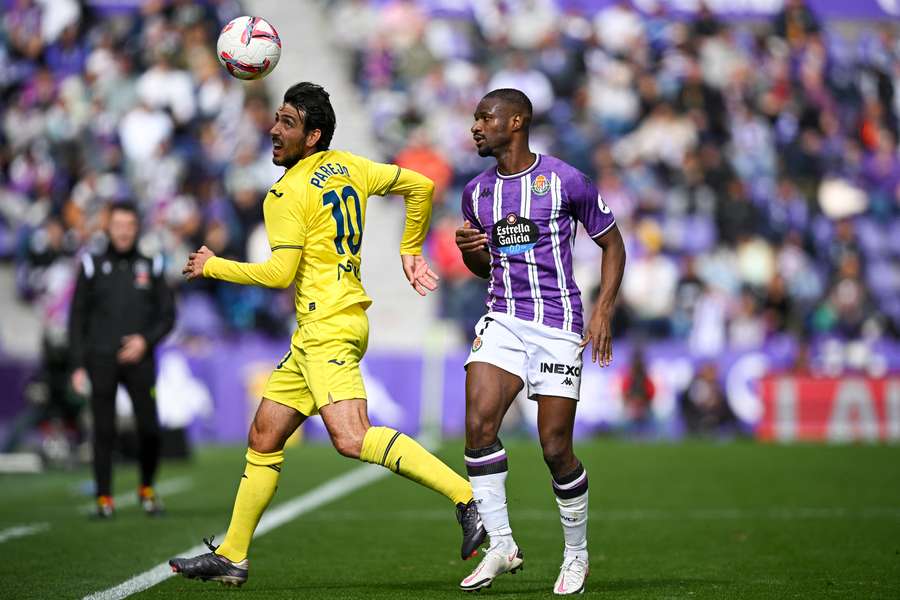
[845, 409]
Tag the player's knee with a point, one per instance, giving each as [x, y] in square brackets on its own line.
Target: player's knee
[480, 432]
[264, 440]
[348, 444]
[557, 452]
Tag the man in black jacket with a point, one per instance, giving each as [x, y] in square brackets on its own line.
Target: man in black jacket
[121, 310]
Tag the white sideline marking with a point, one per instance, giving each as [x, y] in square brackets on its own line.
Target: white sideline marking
[272, 519]
[169, 487]
[18, 531]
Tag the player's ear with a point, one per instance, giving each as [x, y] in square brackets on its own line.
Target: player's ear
[312, 138]
[516, 122]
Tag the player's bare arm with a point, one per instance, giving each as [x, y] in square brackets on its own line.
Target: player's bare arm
[472, 243]
[598, 332]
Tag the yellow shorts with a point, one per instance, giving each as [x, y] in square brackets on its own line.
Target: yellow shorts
[322, 365]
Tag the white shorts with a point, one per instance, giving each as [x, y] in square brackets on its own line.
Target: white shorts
[546, 359]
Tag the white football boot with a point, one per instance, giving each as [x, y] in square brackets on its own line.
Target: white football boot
[572, 575]
[496, 561]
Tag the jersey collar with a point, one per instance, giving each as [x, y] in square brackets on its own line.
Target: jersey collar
[534, 165]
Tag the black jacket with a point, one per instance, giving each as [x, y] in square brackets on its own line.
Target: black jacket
[118, 295]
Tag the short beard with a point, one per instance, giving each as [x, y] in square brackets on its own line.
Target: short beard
[287, 162]
[485, 151]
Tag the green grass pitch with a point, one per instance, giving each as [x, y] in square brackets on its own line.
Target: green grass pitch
[698, 520]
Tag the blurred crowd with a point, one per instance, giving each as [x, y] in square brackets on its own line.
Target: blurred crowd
[106, 102]
[753, 166]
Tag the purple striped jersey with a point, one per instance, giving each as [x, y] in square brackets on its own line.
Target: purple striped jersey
[530, 219]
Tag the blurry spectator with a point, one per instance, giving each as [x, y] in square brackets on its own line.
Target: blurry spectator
[736, 216]
[421, 156]
[619, 28]
[650, 282]
[687, 293]
[720, 131]
[703, 405]
[519, 75]
[747, 328]
[638, 391]
[163, 87]
[795, 22]
[778, 307]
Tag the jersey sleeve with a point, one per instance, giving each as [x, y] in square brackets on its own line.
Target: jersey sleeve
[417, 191]
[469, 200]
[588, 206]
[285, 217]
[381, 178]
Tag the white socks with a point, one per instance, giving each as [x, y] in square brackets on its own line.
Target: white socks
[487, 469]
[572, 498]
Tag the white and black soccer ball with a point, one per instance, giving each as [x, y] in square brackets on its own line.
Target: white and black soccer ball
[249, 47]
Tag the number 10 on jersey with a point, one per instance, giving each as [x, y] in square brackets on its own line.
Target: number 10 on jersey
[342, 217]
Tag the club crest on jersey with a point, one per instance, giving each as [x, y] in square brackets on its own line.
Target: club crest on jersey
[476, 345]
[540, 185]
[515, 235]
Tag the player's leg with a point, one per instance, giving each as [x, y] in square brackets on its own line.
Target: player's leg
[348, 425]
[228, 564]
[556, 422]
[104, 382]
[490, 391]
[272, 426]
[139, 380]
[353, 436]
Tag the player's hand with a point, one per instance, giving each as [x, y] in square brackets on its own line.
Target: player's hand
[419, 274]
[599, 335]
[133, 349]
[469, 239]
[80, 382]
[194, 267]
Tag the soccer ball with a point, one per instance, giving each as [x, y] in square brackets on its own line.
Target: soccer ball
[249, 47]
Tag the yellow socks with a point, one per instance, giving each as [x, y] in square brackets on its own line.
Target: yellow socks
[401, 454]
[258, 485]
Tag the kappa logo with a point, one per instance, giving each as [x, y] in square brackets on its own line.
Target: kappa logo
[276, 193]
[541, 185]
[476, 345]
[603, 207]
[486, 193]
[568, 381]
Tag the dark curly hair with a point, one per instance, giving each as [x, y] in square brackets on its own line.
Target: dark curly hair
[314, 103]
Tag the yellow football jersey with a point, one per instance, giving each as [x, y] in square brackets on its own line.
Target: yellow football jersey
[315, 218]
